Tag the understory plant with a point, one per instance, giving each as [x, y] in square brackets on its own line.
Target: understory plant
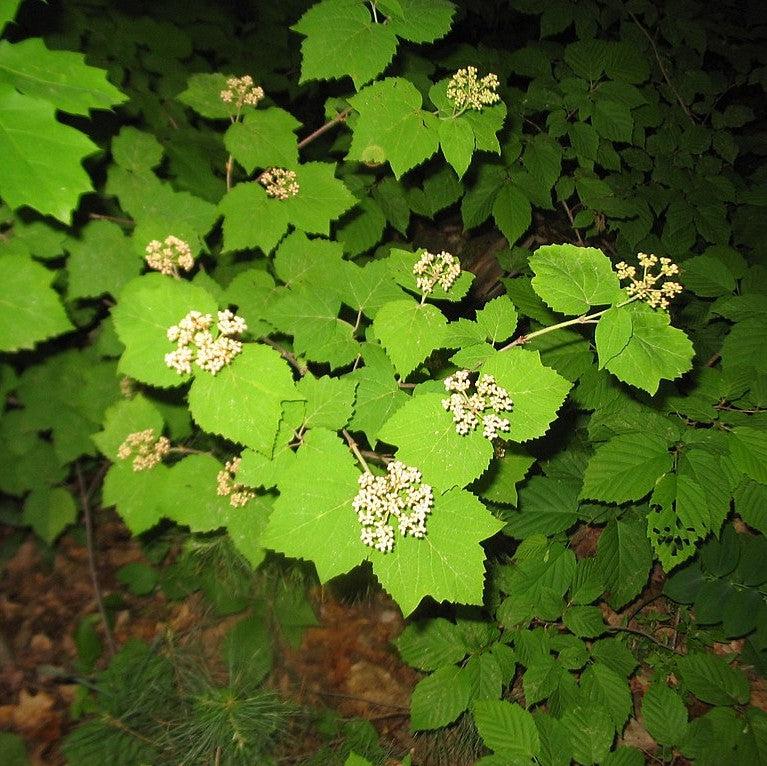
[278, 341]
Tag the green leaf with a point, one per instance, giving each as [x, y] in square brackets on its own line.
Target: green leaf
[443, 565]
[536, 391]
[203, 95]
[8, 10]
[439, 699]
[626, 468]
[425, 437]
[612, 119]
[507, 728]
[251, 219]
[137, 495]
[12, 749]
[546, 506]
[102, 261]
[139, 578]
[485, 677]
[612, 334]
[409, 332]
[401, 263]
[497, 319]
[571, 279]
[59, 77]
[664, 714]
[655, 352]
[30, 310]
[343, 40]
[308, 511]
[264, 139]
[243, 401]
[135, 150]
[431, 644]
[512, 212]
[329, 401]
[748, 448]
[707, 276]
[392, 126]
[591, 732]
[125, 417]
[625, 557]
[499, 483]
[42, 158]
[148, 306]
[423, 21]
[49, 512]
[456, 139]
[584, 621]
[600, 685]
[712, 680]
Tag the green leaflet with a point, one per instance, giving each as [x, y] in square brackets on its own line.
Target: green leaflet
[409, 332]
[243, 401]
[536, 391]
[507, 728]
[571, 279]
[264, 139]
[392, 126]
[148, 306]
[439, 699]
[30, 310]
[664, 714]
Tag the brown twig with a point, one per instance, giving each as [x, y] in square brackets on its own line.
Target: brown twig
[572, 222]
[648, 636]
[340, 117]
[662, 67]
[377, 456]
[355, 449]
[90, 545]
[288, 356]
[113, 218]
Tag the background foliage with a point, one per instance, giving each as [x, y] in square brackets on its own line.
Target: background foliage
[621, 128]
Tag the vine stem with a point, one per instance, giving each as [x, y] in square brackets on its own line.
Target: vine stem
[642, 634]
[662, 67]
[340, 117]
[582, 319]
[355, 449]
[89, 543]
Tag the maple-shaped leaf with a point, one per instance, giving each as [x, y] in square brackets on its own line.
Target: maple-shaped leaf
[329, 401]
[42, 158]
[422, 21]
[136, 495]
[536, 391]
[425, 436]
[123, 418]
[264, 139]
[59, 77]
[343, 39]
[252, 219]
[409, 332]
[243, 401]
[148, 306]
[314, 520]
[392, 126]
[449, 563]
[30, 309]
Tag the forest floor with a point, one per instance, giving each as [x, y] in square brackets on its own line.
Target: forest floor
[345, 663]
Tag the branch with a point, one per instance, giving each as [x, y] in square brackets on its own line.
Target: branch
[86, 506]
[662, 68]
[288, 356]
[648, 636]
[572, 222]
[340, 117]
[355, 449]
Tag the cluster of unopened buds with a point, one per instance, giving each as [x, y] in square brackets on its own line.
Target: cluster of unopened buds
[195, 342]
[241, 91]
[466, 91]
[483, 405]
[169, 256]
[146, 449]
[226, 486]
[647, 288]
[441, 269]
[399, 495]
[280, 183]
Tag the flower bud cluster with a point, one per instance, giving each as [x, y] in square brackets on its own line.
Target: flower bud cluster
[430, 270]
[647, 288]
[169, 256]
[147, 449]
[280, 183]
[226, 486]
[398, 495]
[483, 405]
[195, 342]
[466, 91]
[240, 91]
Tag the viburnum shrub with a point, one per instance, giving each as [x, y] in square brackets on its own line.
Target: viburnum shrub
[274, 339]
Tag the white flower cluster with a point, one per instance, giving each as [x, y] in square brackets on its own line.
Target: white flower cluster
[646, 288]
[226, 486]
[240, 91]
[169, 256]
[147, 450]
[430, 270]
[280, 183]
[482, 406]
[195, 342]
[399, 494]
[466, 91]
